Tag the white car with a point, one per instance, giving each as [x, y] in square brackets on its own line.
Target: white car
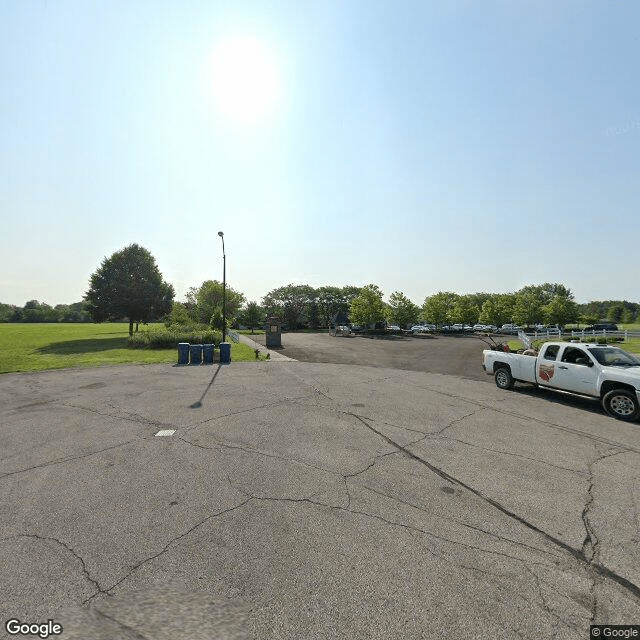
[393, 327]
[419, 328]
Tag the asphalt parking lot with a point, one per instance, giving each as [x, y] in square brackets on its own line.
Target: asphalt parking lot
[458, 355]
[311, 500]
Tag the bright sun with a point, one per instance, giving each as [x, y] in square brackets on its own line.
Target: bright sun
[244, 80]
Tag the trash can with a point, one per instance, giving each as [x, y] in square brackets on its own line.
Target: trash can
[196, 354]
[225, 352]
[183, 353]
[207, 353]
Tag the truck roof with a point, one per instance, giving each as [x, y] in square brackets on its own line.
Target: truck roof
[584, 345]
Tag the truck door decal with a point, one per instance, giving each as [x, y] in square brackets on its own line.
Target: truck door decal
[546, 371]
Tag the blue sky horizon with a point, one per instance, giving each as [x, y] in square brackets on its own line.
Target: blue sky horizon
[422, 146]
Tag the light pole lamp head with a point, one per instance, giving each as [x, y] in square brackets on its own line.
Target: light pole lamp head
[220, 233]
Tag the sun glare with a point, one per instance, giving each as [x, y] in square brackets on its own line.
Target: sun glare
[244, 80]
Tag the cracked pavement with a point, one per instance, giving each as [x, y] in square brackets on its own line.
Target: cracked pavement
[302, 500]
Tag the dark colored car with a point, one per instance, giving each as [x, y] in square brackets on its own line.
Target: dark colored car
[608, 326]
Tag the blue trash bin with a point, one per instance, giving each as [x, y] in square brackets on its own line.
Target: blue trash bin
[196, 354]
[225, 352]
[207, 353]
[183, 353]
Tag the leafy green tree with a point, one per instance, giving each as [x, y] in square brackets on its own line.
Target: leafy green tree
[179, 315]
[589, 319]
[367, 307]
[615, 311]
[252, 315]
[438, 309]
[290, 303]
[627, 317]
[504, 308]
[560, 310]
[465, 310]
[209, 298]
[330, 301]
[401, 310]
[129, 285]
[6, 312]
[527, 309]
[313, 315]
[488, 312]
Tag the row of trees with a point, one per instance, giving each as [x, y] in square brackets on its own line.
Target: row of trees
[303, 306]
[34, 311]
[128, 285]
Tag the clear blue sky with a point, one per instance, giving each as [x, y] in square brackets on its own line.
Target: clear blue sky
[422, 146]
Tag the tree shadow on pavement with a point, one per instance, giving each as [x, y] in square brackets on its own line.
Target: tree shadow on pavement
[198, 403]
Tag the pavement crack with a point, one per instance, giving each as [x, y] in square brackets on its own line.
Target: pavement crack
[230, 414]
[464, 524]
[77, 556]
[457, 420]
[578, 554]
[68, 459]
[308, 384]
[124, 415]
[167, 546]
[520, 416]
[258, 452]
[510, 453]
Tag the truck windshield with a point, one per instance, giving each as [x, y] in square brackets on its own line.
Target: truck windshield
[614, 357]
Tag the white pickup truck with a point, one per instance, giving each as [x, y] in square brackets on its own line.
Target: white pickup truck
[604, 372]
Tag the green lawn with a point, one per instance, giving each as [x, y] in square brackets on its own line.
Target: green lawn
[34, 347]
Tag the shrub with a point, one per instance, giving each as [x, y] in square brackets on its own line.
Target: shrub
[168, 338]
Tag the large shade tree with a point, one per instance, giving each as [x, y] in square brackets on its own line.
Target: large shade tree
[129, 285]
[290, 303]
[401, 310]
[367, 307]
[438, 308]
[206, 302]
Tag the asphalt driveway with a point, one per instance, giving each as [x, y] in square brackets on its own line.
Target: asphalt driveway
[309, 500]
[458, 355]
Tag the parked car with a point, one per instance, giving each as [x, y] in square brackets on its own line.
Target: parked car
[511, 329]
[343, 330]
[602, 326]
[393, 327]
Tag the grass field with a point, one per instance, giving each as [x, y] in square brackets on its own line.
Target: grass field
[34, 347]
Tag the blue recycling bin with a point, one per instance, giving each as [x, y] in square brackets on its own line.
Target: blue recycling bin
[183, 353]
[207, 353]
[196, 354]
[225, 352]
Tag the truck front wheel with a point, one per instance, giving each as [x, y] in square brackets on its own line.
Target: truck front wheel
[621, 404]
[504, 379]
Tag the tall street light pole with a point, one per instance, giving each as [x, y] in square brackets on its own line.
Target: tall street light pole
[224, 290]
